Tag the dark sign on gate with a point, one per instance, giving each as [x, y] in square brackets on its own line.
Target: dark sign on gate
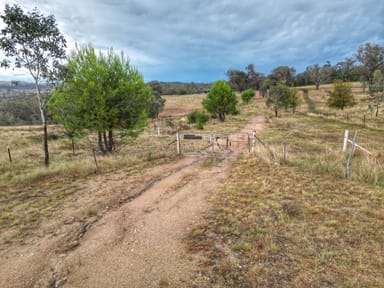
[192, 137]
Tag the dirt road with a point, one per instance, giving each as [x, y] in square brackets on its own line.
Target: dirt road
[138, 243]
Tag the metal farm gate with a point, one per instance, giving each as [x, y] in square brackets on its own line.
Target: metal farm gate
[206, 143]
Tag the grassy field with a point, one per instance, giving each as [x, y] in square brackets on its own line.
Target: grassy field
[298, 222]
[29, 192]
[275, 223]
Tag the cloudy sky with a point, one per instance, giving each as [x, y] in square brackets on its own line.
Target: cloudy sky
[199, 40]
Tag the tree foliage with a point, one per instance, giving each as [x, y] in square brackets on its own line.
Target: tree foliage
[319, 75]
[237, 79]
[240, 80]
[341, 96]
[247, 95]
[283, 74]
[101, 93]
[199, 118]
[221, 100]
[33, 41]
[281, 95]
[158, 102]
[371, 57]
[346, 69]
[376, 92]
[265, 85]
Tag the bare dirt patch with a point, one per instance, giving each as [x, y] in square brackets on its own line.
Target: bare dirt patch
[122, 231]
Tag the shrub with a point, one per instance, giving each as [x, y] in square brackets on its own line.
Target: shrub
[199, 118]
[247, 95]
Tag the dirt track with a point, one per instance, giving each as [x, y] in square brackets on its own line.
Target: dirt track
[138, 243]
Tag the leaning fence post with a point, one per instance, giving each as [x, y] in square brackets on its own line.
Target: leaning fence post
[9, 155]
[346, 134]
[348, 168]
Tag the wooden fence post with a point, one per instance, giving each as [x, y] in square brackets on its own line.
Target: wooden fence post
[285, 152]
[9, 155]
[95, 159]
[348, 168]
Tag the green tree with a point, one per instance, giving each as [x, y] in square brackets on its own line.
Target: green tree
[341, 96]
[158, 102]
[247, 95]
[102, 93]
[265, 85]
[292, 99]
[199, 118]
[278, 97]
[221, 100]
[33, 41]
[371, 57]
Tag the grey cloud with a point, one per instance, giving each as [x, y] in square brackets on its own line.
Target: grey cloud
[212, 36]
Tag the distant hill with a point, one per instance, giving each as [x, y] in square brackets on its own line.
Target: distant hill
[11, 89]
[17, 85]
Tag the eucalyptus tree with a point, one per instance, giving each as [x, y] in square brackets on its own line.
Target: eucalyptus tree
[319, 75]
[283, 74]
[372, 58]
[33, 41]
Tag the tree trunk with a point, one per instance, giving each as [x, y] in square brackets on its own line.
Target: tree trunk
[106, 144]
[276, 111]
[110, 140]
[44, 123]
[221, 116]
[317, 86]
[100, 143]
[73, 146]
[46, 152]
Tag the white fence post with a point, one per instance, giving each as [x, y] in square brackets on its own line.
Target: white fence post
[178, 143]
[158, 131]
[346, 134]
[348, 168]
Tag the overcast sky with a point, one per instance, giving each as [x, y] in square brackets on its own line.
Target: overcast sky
[199, 40]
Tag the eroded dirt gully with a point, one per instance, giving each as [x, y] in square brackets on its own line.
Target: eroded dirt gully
[138, 243]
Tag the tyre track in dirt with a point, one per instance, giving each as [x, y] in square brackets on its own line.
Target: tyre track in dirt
[137, 241]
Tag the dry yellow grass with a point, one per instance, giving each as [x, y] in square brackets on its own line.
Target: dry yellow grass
[297, 223]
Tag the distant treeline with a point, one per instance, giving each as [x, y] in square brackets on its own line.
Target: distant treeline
[179, 88]
[19, 111]
[18, 104]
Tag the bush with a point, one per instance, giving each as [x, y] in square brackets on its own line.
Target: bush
[199, 118]
[220, 100]
[247, 95]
